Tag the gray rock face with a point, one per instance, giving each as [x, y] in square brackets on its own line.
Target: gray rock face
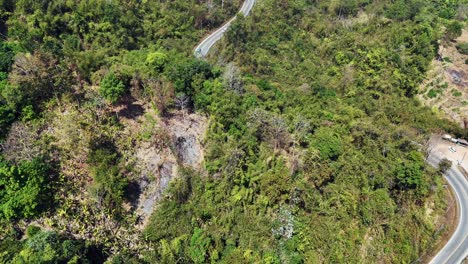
[166, 174]
[158, 166]
[187, 149]
[187, 132]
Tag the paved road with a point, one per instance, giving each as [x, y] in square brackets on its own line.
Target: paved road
[202, 49]
[456, 249]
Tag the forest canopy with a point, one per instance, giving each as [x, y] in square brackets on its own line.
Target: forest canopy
[315, 142]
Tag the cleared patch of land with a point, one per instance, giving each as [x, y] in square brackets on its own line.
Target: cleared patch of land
[446, 86]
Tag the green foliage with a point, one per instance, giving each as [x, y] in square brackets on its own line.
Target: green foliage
[158, 60]
[111, 87]
[50, 247]
[402, 10]
[463, 48]
[7, 117]
[310, 157]
[377, 207]
[444, 165]
[409, 173]
[199, 246]
[433, 93]
[24, 189]
[189, 75]
[342, 110]
[454, 30]
[7, 55]
[9, 247]
[32, 230]
[109, 184]
[328, 143]
[456, 93]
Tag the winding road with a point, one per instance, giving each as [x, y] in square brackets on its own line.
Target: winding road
[202, 49]
[456, 249]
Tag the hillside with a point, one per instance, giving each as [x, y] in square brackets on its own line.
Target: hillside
[300, 139]
[446, 87]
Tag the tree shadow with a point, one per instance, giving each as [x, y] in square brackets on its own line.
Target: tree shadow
[131, 109]
[133, 193]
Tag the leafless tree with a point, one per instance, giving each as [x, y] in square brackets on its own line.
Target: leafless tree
[182, 102]
[278, 132]
[232, 78]
[462, 12]
[21, 143]
[161, 93]
[270, 127]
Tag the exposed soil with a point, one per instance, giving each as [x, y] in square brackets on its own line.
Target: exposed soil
[441, 148]
[177, 141]
[446, 86]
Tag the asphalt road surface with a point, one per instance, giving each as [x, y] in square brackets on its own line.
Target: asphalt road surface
[202, 49]
[456, 249]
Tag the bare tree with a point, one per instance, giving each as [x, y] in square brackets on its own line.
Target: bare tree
[182, 102]
[462, 12]
[21, 143]
[161, 93]
[232, 78]
[269, 127]
[278, 132]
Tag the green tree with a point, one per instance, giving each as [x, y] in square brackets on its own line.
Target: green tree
[158, 60]
[111, 88]
[109, 184]
[187, 74]
[409, 173]
[24, 189]
[328, 143]
[50, 247]
[444, 165]
[199, 244]
[454, 30]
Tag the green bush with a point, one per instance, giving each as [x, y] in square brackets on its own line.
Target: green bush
[433, 93]
[410, 173]
[50, 247]
[328, 143]
[463, 48]
[32, 230]
[456, 93]
[111, 88]
[109, 184]
[454, 30]
[158, 60]
[24, 189]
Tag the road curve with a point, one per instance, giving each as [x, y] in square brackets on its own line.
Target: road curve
[456, 249]
[202, 49]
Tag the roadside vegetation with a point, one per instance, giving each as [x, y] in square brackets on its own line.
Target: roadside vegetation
[315, 150]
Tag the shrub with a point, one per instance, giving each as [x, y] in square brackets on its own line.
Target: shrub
[157, 60]
[454, 30]
[111, 88]
[463, 48]
[23, 189]
[444, 165]
[456, 93]
[32, 230]
[109, 184]
[432, 93]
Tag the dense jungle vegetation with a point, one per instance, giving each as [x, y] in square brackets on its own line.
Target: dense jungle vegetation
[315, 151]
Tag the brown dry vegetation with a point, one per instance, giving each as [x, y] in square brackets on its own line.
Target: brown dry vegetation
[446, 86]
